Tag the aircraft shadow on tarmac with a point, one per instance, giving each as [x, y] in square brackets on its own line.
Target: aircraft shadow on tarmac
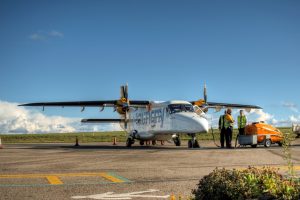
[141, 148]
[106, 147]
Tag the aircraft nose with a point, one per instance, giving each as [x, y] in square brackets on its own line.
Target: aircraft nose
[190, 123]
[200, 123]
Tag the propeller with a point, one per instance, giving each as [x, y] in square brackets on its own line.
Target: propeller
[203, 101]
[123, 103]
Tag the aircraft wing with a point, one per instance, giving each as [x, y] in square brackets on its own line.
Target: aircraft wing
[229, 105]
[219, 106]
[108, 103]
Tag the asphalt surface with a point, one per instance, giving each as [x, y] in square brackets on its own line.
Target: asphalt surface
[62, 171]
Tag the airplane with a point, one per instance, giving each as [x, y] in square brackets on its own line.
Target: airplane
[146, 120]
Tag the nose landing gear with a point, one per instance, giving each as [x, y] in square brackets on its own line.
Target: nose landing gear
[177, 140]
[193, 143]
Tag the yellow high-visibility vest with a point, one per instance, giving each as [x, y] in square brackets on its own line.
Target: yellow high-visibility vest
[242, 121]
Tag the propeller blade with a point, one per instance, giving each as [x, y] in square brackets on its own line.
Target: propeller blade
[204, 93]
[126, 91]
[121, 92]
[126, 119]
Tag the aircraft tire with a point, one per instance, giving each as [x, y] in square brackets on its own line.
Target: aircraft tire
[254, 145]
[190, 144]
[129, 142]
[177, 141]
[196, 144]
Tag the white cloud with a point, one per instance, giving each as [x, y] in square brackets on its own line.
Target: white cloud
[45, 35]
[260, 115]
[55, 33]
[294, 119]
[257, 116]
[15, 119]
[37, 36]
[292, 106]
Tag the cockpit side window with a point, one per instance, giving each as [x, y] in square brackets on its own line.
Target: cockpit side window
[175, 108]
[188, 108]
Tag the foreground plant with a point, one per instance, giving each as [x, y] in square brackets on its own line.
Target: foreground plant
[251, 183]
[287, 155]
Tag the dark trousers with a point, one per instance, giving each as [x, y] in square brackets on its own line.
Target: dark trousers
[241, 131]
[228, 137]
[222, 136]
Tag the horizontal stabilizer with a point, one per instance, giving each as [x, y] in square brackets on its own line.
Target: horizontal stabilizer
[102, 120]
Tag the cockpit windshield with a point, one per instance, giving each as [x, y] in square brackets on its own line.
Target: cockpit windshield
[174, 108]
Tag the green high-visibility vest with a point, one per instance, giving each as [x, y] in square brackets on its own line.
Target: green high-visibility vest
[242, 121]
[222, 121]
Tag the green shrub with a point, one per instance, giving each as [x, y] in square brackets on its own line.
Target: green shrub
[251, 183]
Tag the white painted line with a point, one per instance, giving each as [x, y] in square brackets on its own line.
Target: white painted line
[122, 196]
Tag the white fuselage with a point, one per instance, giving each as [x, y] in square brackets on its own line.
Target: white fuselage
[163, 119]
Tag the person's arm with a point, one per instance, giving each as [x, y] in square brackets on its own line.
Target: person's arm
[229, 118]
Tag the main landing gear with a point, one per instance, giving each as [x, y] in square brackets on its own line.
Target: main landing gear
[142, 142]
[130, 140]
[193, 143]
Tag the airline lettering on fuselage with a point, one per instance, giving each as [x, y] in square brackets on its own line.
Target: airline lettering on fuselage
[150, 117]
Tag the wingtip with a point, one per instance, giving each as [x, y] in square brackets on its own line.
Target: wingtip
[26, 104]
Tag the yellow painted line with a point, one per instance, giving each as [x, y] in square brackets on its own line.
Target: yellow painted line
[111, 178]
[45, 175]
[54, 180]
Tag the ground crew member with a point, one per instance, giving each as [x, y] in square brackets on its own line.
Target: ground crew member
[229, 121]
[222, 129]
[241, 121]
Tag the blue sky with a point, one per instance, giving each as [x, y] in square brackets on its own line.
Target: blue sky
[246, 52]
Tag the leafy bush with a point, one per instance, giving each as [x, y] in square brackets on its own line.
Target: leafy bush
[251, 183]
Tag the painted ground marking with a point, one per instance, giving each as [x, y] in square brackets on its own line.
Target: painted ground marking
[54, 179]
[123, 196]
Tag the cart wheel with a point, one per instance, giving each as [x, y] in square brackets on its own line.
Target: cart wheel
[254, 145]
[268, 143]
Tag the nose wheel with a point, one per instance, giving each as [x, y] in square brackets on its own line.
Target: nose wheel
[177, 141]
[193, 143]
